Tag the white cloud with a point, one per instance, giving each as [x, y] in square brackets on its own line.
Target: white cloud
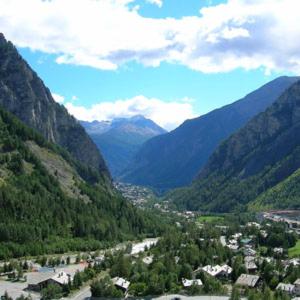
[105, 34]
[159, 3]
[167, 114]
[74, 98]
[58, 98]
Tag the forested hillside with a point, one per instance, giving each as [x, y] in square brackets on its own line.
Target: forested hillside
[260, 160]
[46, 206]
[24, 94]
[175, 159]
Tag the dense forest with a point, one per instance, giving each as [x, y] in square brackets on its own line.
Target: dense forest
[39, 214]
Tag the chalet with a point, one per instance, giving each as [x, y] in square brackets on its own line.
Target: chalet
[297, 286]
[253, 224]
[233, 247]
[251, 266]
[44, 279]
[278, 251]
[121, 283]
[188, 283]
[218, 271]
[247, 280]
[288, 288]
[249, 251]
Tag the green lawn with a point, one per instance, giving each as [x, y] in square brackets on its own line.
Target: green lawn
[210, 219]
[295, 251]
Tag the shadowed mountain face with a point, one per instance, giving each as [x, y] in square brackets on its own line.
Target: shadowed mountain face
[24, 94]
[260, 161]
[120, 139]
[174, 159]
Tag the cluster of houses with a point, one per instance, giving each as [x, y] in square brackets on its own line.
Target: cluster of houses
[138, 195]
[291, 218]
[254, 281]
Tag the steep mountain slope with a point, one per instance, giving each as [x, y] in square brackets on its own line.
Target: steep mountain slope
[256, 161]
[47, 207]
[24, 94]
[174, 159]
[120, 139]
[285, 194]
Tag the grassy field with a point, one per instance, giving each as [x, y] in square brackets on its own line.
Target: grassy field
[210, 219]
[295, 251]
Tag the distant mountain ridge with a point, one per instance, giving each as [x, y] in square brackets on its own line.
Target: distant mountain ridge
[120, 139]
[258, 166]
[174, 159]
[24, 94]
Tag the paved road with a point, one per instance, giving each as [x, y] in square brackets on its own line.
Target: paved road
[83, 294]
[86, 294]
[15, 289]
[169, 297]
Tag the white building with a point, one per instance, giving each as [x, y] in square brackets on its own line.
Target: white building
[217, 270]
[288, 288]
[121, 283]
[188, 283]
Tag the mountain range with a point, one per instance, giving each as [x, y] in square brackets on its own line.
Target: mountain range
[176, 158]
[258, 166]
[24, 94]
[120, 139]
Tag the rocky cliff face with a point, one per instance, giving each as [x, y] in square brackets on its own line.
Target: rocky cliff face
[24, 94]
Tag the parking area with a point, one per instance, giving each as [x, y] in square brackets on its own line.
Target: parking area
[16, 289]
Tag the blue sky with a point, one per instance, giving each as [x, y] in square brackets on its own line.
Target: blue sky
[115, 72]
[169, 82]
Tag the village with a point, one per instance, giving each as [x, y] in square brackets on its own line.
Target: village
[243, 257]
[214, 258]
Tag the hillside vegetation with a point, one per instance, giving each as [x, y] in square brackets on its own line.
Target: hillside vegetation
[47, 206]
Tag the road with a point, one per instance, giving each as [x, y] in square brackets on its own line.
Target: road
[85, 294]
[170, 297]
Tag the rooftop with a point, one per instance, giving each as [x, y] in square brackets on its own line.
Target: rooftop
[121, 282]
[188, 283]
[247, 280]
[287, 287]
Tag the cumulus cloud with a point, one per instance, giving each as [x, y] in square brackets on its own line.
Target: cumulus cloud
[105, 34]
[167, 114]
[58, 98]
